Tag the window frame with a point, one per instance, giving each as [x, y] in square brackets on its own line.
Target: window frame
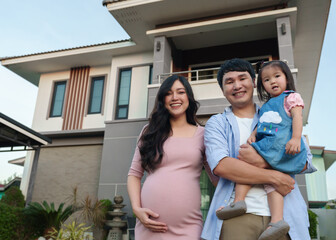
[55, 85]
[93, 79]
[118, 107]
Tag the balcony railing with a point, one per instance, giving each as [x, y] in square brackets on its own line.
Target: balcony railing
[193, 75]
[201, 74]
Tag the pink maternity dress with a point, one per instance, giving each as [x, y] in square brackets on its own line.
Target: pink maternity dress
[173, 189]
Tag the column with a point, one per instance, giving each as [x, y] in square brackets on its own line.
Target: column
[161, 64]
[285, 43]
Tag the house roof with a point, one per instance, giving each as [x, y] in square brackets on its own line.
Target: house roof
[18, 161]
[31, 66]
[16, 182]
[15, 136]
[190, 24]
[329, 156]
[105, 2]
[65, 49]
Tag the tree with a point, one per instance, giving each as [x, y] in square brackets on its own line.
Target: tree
[13, 197]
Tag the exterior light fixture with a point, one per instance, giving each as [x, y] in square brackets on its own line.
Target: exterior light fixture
[158, 46]
[283, 28]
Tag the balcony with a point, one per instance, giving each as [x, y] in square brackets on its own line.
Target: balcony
[204, 82]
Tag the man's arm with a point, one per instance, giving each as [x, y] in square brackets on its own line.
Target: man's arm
[216, 139]
[244, 173]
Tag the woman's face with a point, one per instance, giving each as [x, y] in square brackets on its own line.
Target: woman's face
[176, 100]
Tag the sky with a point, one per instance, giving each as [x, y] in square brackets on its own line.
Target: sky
[44, 25]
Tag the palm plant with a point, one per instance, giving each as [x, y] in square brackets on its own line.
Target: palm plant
[91, 210]
[47, 216]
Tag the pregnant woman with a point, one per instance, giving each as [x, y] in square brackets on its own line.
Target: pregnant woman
[170, 149]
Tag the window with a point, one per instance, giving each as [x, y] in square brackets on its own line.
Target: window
[58, 99]
[123, 93]
[150, 74]
[96, 95]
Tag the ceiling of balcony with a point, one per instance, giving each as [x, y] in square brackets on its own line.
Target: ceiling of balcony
[137, 17]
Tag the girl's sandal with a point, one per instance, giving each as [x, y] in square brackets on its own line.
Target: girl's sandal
[232, 210]
[276, 231]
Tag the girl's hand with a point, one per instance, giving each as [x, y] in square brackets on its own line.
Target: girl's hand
[144, 215]
[251, 139]
[293, 146]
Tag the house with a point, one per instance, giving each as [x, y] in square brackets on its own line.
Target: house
[316, 182]
[94, 100]
[14, 182]
[317, 191]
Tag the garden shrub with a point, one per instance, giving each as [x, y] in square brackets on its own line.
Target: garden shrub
[312, 224]
[15, 225]
[13, 197]
[10, 221]
[107, 204]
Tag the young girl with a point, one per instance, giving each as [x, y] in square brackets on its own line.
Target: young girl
[277, 139]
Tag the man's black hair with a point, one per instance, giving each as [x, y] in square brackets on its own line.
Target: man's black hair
[234, 65]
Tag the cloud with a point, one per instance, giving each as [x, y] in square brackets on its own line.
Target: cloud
[270, 117]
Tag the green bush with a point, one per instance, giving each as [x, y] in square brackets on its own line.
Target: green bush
[13, 197]
[14, 225]
[313, 224]
[107, 204]
[45, 216]
[9, 219]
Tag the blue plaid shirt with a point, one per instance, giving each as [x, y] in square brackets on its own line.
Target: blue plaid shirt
[221, 140]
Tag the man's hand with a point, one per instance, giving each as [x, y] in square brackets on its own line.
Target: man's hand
[145, 215]
[284, 183]
[248, 154]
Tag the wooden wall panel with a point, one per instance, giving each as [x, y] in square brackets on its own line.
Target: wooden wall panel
[75, 99]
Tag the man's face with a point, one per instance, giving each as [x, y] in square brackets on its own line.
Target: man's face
[238, 88]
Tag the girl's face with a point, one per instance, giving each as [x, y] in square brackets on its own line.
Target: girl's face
[176, 100]
[273, 80]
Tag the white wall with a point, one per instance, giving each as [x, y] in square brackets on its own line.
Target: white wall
[138, 63]
[209, 89]
[97, 120]
[206, 89]
[26, 172]
[42, 122]
[138, 96]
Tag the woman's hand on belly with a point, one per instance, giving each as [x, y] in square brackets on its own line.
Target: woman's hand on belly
[144, 215]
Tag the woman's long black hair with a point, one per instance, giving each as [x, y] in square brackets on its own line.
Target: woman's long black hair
[262, 94]
[158, 129]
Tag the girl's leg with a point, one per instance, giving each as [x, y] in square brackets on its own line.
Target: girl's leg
[277, 227]
[241, 191]
[275, 202]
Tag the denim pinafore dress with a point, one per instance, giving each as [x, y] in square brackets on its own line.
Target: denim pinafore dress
[274, 130]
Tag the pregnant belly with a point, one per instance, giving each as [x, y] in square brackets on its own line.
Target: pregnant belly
[176, 199]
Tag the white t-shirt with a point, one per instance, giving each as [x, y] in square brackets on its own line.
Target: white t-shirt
[256, 198]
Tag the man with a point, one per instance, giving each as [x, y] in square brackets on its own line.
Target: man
[224, 134]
